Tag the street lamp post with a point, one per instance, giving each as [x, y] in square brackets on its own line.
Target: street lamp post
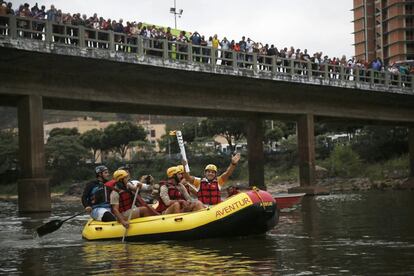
[175, 12]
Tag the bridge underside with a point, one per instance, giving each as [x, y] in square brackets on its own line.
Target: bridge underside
[34, 81]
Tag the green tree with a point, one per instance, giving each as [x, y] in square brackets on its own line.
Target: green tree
[378, 143]
[168, 143]
[286, 128]
[8, 149]
[64, 155]
[190, 131]
[344, 162]
[323, 146]
[231, 129]
[273, 135]
[63, 132]
[92, 139]
[289, 150]
[119, 136]
[147, 150]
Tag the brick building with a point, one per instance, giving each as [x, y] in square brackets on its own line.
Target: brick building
[384, 29]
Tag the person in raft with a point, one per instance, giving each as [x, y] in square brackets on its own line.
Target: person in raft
[174, 197]
[122, 198]
[209, 187]
[95, 197]
[142, 186]
[190, 188]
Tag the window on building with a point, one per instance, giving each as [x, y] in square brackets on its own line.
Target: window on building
[409, 22]
[152, 133]
[409, 9]
[410, 51]
[409, 35]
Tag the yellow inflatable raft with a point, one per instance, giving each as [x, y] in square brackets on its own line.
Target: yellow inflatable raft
[251, 212]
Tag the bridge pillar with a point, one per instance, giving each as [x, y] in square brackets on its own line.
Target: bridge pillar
[33, 186]
[409, 183]
[255, 133]
[411, 149]
[306, 143]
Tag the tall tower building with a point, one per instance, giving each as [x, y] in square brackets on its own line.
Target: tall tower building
[384, 29]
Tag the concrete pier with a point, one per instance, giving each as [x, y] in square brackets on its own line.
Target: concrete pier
[306, 145]
[409, 183]
[411, 150]
[33, 186]
[255, 133]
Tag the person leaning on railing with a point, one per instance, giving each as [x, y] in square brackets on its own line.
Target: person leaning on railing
[3, 10]
[195, 39]
[6, 8]
[3, 20]
[225, 47]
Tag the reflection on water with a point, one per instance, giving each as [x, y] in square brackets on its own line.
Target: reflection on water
[359, 234]
[164, 258]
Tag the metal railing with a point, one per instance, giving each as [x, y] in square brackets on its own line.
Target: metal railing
[288, 69]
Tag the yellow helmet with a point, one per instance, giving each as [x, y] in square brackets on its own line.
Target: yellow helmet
[211, 167]
[120, 174]
[171, 171]
[180, 168]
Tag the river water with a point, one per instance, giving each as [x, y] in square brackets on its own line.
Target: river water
[369, 233]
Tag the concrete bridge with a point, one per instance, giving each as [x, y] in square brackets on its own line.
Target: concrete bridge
[69, 67]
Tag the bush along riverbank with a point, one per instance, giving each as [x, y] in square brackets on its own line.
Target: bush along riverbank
[338, 185]
[344, 171]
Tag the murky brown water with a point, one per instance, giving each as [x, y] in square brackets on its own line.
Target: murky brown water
[368, 233]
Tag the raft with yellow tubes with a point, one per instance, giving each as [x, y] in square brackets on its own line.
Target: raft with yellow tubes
[251, 212]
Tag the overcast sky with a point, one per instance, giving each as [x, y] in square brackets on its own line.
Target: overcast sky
[318, 25]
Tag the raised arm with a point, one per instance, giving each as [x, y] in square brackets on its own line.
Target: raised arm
[184, 191]
[186, 175]
[234, 160]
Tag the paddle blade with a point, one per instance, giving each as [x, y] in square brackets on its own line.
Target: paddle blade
[49, 227]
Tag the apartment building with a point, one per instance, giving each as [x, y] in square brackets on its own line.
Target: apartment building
[384, 29]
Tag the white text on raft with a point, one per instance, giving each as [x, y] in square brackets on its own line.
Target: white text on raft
[236, 205]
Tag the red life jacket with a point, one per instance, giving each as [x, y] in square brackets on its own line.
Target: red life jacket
[209, 192]
[125, 198]
[111, 183]
[173, 193]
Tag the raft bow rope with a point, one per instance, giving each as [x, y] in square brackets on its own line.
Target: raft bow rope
[256, 191]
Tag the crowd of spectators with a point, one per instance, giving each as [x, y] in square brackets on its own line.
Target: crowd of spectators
[243, 50]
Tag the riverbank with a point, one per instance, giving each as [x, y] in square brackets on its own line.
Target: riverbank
[56, 197]
[334, 185]
[337, 185]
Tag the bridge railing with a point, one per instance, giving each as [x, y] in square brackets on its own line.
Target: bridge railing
[82, 37]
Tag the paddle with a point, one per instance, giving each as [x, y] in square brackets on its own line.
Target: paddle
[53, 225]
[130, 214]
